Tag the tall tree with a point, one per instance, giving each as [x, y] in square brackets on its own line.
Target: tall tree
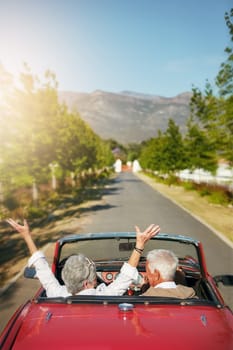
[214, 112]
[151, 156]
[164, 154]
[224, 79]
[39, 131]
[173, 150]
[200, 152]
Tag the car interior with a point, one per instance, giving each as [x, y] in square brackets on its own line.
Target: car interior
[187, 274]
[108, 265]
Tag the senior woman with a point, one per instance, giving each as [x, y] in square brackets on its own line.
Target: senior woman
[79, 272]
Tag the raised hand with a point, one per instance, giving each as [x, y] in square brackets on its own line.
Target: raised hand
[22, 229]
[25, 233]
[143, 237]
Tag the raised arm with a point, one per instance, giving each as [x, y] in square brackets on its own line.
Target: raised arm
[141, 239]
[25, 234]
[43, 271]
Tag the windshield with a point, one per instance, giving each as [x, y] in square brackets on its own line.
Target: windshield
[120, 248]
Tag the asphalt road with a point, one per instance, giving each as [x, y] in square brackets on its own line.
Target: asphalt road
[128, 201]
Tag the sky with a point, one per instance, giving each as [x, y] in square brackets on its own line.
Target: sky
[158, 47]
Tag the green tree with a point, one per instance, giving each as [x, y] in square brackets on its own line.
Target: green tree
[165, 153]
[133, 151]
[173, 151]
[214, 112]
[38, 131]
[224, 82]
[200, 153]
[104, 153]
[224, 79]
[151, 153]
[75, 146]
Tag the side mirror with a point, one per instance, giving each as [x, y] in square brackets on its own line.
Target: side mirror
[226, 280]
[29, 272]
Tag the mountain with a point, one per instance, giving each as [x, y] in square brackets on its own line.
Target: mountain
[128, 117]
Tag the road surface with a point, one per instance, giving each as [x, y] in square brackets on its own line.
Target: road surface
[128, 201]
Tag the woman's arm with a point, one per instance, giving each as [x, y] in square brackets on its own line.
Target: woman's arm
[43, 271]
[141, 239]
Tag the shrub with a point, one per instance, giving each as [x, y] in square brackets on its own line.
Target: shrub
[189, 186]
[11, 203]
[34, 212]
[204, 192]
[173, 180]
[218, 198]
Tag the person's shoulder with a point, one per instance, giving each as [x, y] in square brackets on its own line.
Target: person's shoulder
[180, 291]
[188, 291]
[35, 257]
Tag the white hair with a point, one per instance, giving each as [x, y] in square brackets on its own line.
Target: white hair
[164, 261]
[78, 269]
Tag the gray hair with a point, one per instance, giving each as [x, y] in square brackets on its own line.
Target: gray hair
[164, 261]
[77, 270]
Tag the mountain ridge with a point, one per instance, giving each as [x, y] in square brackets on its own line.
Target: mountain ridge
[127, 116]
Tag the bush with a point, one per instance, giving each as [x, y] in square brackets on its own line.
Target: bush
[204, 192]
[172, 180]
[11, 203]
[218, 198]
[35, 213]
[188, 186]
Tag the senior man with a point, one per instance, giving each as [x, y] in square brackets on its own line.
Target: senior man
[161, 267]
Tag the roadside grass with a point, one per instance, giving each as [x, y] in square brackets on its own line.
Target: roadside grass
[214, 193]
[212, 209]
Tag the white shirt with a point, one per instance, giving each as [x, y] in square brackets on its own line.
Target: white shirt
[53, 288]
[169, 284]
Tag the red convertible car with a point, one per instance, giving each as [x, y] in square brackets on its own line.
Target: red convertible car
[131, 321]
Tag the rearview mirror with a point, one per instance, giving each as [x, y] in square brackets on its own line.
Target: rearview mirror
[126, 246]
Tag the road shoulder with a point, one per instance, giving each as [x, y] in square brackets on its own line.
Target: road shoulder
[219, 219]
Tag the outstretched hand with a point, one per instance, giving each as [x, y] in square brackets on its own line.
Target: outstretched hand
[143, 237]
[24, 232]
[22, 229]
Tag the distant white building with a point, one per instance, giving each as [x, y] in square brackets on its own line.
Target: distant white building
[136, 166]
[118, 166]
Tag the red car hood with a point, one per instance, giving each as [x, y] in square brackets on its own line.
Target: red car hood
[58, 326]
